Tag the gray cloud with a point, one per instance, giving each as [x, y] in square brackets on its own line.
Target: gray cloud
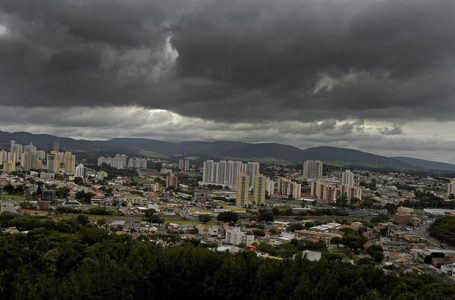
[133, 121]
[236, 60]
[303, 72]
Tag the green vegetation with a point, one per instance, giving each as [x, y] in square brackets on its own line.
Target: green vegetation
[265, 215]
[192, 157]
[444, 230]
[141, 180]
[84, 197]
[14, 197]
[90, 211]
[152, 217]
[425, 199]
[228, 216]
[113, 172]
[263, 160]
[152, 154]
[205, 218]
[69, 260]
[376, 252]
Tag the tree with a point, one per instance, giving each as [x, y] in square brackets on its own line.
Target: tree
[101, 222]
[86, 197]
[152, 217]
[391, 208]
[342, 200]
[79, 180]
[376, 252]
[228, 216]
[205, 218]
[62, 192]
[83, 220]
[9, 189]
[265, 215]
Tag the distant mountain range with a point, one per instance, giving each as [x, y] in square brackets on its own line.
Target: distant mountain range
[263, 152]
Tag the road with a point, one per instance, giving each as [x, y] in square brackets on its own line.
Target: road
[422, 231]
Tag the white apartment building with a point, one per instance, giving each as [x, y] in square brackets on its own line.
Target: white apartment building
[312, 169]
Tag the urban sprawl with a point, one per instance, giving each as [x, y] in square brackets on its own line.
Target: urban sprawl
[275, 211]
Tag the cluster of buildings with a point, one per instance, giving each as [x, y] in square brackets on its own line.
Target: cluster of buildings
[184, 165]
[30, 158]
[244, 198]
[285, 187]
[245, 178]
[121, 161]
[225, 173]
[331, 189]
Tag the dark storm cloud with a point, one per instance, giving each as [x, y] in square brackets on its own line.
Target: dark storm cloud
[234, 60]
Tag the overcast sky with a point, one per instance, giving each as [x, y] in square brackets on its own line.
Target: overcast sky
[373, 75]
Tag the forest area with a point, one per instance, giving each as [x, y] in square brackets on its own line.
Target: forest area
[73, 259]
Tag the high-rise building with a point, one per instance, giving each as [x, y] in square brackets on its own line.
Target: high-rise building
[233, 170]
[330, 190]
[69, 162]
[296, 190]
[207, 172]
[252, 169]
[451, 188]
[184, 165]
[9, 166]
[259, 190]
[12, 146]
[226, 172]
[270, 186]
[41, 154]
[118, 162]
[30, 149]
[347, 178]
[56, 146]
[30, 161]
[284, 187]
[172, 181]
[81, 171]
[312, 169]
[137, 163]
[53, 162]
[243, 190]
[3, 156]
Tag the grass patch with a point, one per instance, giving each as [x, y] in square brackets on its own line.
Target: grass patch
[192, 157]
[141, 180]
[264, 160]
[152, 154]
[13, 197]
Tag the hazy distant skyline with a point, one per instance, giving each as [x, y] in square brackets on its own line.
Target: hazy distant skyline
[373, 75]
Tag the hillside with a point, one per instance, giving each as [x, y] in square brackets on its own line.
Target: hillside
[426, 164]
[264, 152]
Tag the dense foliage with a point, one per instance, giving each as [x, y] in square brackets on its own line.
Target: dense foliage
[51, 263]
[444, 230]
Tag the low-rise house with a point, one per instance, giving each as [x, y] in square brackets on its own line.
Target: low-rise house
[236, 237]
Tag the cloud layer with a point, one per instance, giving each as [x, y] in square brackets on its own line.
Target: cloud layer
[267, 69]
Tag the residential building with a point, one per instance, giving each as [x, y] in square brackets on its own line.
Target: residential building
[259, 190]
[312, 169]
[243, 185]
[236, 237]
[184, 165]
[347, 178]
[172, 181]
[81, 171]
[296, 190]
[451, 187]
[69, 162]
[270, 186]
[226, 172]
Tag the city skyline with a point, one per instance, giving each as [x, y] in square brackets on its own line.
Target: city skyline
[367, 75]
